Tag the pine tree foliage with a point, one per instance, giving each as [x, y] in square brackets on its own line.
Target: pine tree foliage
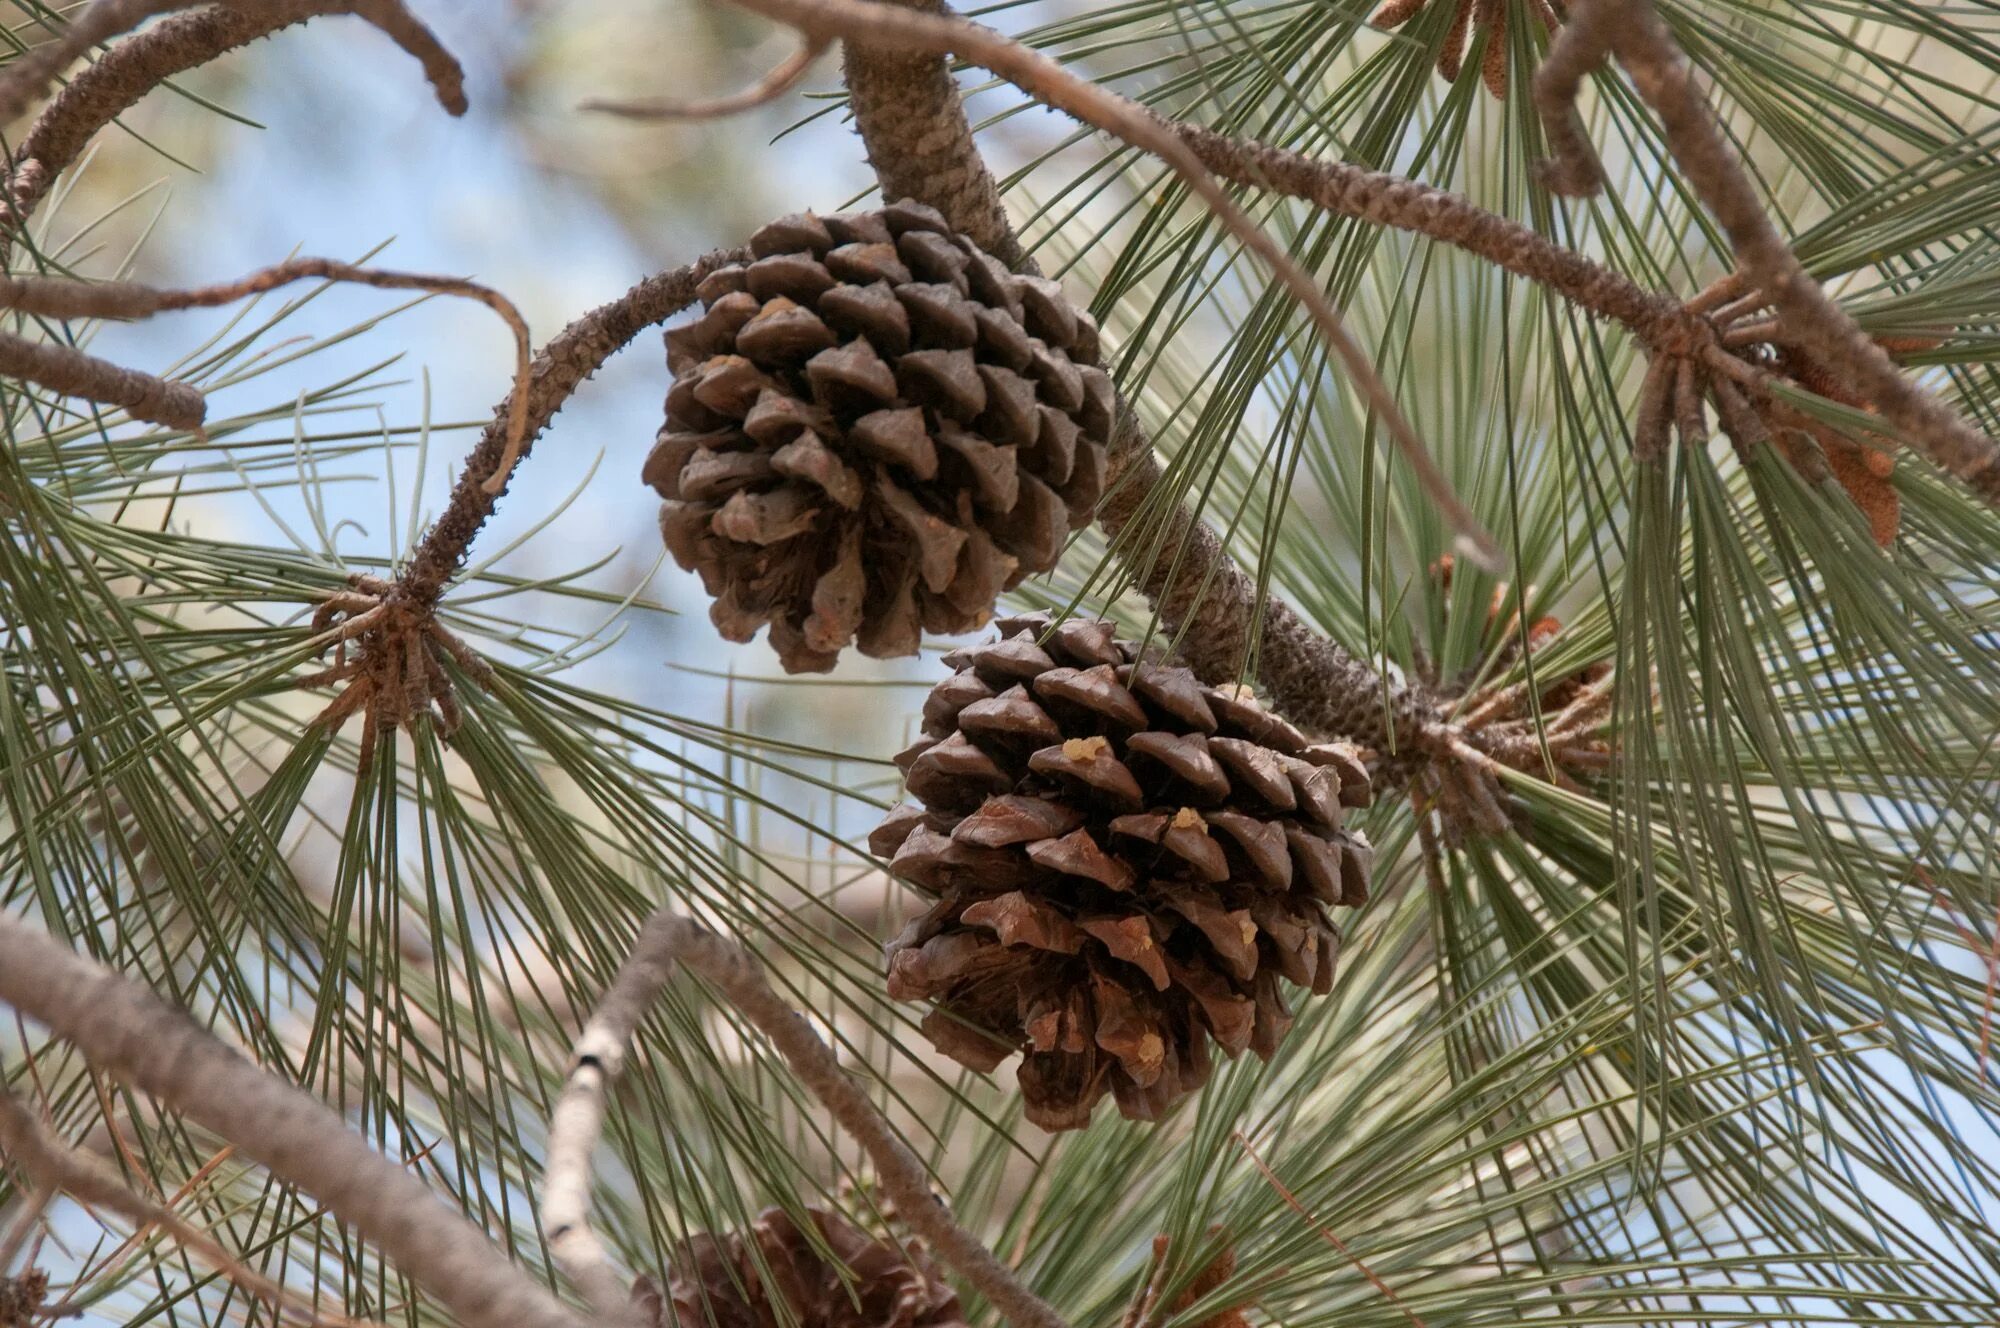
[1703, 1038]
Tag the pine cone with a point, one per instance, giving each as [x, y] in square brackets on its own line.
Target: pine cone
[21, 1298]
[718, 1281]
[1125, 863]
[874, 429]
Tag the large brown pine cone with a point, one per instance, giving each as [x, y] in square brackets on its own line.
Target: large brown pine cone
[874, 429]
[1125, 862]
[718, 1281]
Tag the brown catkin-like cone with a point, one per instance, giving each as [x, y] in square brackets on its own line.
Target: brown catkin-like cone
[21, 1298]
[1126, 864]
[874, 429]
[775, 1276]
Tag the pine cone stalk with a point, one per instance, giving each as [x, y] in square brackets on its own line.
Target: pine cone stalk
[1126, 864]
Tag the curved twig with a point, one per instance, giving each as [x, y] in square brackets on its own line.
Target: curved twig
[58, 297]
[667, 940]
[128, 1032]
[552, 376]
[765, 90]
[1573, 167]
[125, 73]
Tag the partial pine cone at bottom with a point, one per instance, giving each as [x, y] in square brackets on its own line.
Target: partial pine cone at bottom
[1126, 864]
[719, 1281]
[874, 429]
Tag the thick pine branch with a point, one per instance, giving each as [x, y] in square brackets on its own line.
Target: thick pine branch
[907, 107]
[127, 1032]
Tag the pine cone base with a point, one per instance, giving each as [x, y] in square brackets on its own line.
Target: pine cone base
[1127, 865]
[874, 429]
[775, 1276]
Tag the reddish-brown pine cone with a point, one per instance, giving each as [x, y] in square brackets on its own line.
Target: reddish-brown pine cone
[741, 1281]
[874, 429]
[1126, 862]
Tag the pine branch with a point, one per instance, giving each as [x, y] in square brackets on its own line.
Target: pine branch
[667, 940]
[125, 73]
[1214, 608]
[1408, 205]
[913, 125]
[55, 1166]
[179, 405]
[907, 107]
[553, 376]
[1049, 83]
[1634, 32]
[129, 1033]
[71, 372]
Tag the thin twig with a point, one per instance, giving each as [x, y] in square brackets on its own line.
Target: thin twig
[556, 372]
[58, 297]
[1048, 82]
[1292, 1202]
[1666, 81]
[126, 1031]
[125, 73]
[1409, 205]
[1573, 167]
[667, 940]
[765, 90]
[55, 1165]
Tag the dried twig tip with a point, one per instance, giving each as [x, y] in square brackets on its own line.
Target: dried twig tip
[773, 85]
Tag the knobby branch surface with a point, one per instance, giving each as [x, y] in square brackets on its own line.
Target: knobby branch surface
[179, 405]
[125, 73]
[1665, 79]
[914, 128]
[553, 375]
[127, 1032]
[1048, 82]
[667, 940]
